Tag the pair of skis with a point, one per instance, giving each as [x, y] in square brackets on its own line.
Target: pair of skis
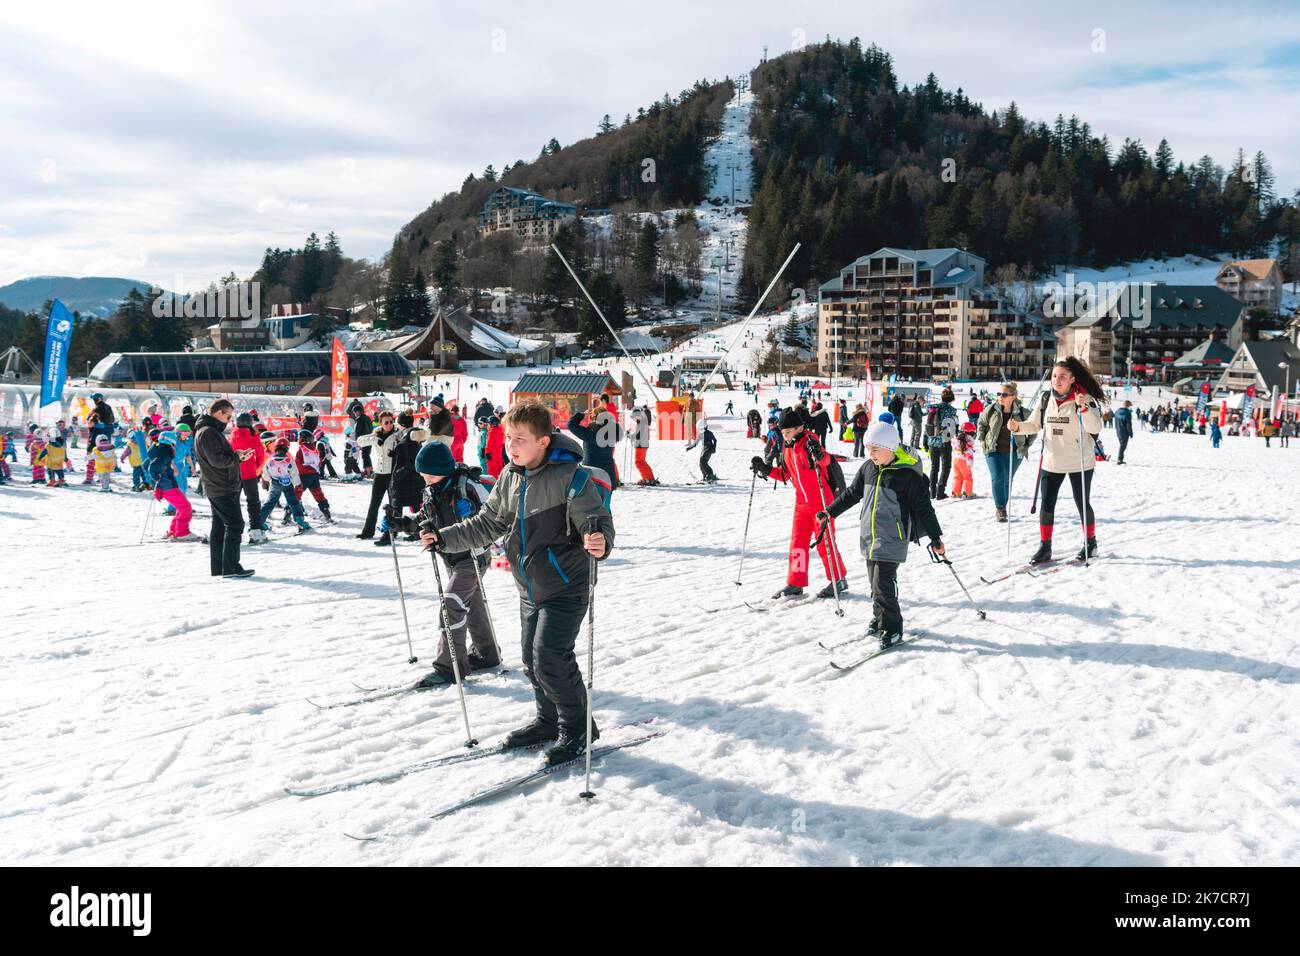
[383, 693]
[858, 661]
[510, 784]
[1036, 570]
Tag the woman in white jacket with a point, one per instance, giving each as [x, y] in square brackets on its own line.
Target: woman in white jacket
[1068, 416]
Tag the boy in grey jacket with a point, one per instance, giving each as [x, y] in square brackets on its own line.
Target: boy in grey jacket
[552, 511]
[896, 507]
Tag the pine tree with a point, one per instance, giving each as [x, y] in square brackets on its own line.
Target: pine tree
[445, 269]
[605, 125]
[311, 269]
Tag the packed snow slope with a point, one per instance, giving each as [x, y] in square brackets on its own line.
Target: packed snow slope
[1142, 711]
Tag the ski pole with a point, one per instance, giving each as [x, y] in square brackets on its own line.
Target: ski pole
[834, 564]
[1033, 508]
[492, 629]
[592, 527]
[744, 538]
[446, 636]
[148, 517]
[397, 567]
[1011, 473]
[943, 559]
[1083, 490]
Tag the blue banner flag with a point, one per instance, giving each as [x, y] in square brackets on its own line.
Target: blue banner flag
[58, 339]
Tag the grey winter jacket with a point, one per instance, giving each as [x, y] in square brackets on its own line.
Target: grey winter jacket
[895, 501]
[543, 515]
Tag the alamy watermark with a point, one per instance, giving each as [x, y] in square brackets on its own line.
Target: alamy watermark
[74, 909]
[1088, 300]
[239, 300]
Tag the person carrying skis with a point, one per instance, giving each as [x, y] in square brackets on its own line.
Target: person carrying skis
[551, 510]
[1068, 416]
[896, 508]
[641, 420]
[454, 492]
[817, 479]
[705, 437]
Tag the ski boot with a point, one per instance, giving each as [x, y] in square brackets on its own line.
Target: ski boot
[1043, 554]
[384, 540]
[1002, 516]
[287, 519]
[829, 591]
[788, 591]
[530, 736]
[325, 512]
[1087, 552]
[483, 663]
[436, 678]
[571, 745]
[889, 638]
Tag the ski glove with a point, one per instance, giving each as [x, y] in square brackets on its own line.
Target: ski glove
[431, 527]
[759, 467]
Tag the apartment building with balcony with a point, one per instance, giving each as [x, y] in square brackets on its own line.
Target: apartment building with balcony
[923, 314]
[531, 217]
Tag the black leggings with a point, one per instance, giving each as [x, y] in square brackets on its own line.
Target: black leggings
[253, 502]
[1048, 488]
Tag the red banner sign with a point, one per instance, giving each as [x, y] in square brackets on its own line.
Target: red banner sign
[339, 381]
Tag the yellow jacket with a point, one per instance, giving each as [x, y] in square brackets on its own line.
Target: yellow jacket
[105, 461]
[53, 457]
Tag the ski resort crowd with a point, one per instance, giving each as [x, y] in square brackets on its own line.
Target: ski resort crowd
[538, 498]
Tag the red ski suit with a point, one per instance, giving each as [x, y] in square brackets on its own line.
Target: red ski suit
[812, 494]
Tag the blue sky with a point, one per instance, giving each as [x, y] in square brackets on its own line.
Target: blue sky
[173, 142]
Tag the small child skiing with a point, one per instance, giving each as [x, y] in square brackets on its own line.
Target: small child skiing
[54, 458]
[963, 462]
[134, 454]
[308, 461]
[280, 477]
[105, 459]
[454, 492]
[36, 453]
[10, 451]
[1216, 433]
[161, 471]
[896, 507]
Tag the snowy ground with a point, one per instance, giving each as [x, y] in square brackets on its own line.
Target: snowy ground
[1143, 711]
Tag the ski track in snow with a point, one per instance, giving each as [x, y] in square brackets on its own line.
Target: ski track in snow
[1141, 711]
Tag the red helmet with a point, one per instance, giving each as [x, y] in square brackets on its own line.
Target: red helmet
[969, 428]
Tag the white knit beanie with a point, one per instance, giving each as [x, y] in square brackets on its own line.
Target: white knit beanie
[882, 435]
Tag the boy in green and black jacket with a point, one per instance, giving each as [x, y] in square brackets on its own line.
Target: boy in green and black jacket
[895, 496]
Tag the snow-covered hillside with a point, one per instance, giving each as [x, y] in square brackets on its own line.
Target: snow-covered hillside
[1142, 711]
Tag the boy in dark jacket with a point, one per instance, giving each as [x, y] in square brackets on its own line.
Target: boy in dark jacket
[554, 518]
[454, 492]
[896, 507]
